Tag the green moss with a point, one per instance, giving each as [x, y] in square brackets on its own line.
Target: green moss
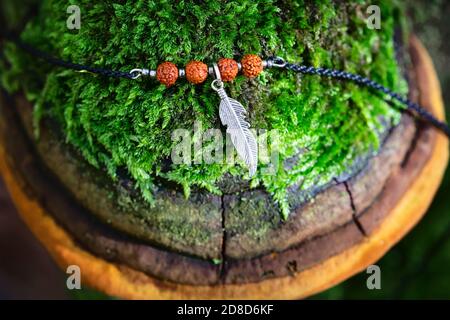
[128, 124]
[251, 216]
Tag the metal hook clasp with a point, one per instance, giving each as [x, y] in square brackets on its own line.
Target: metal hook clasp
[137, 73]
[277, 62]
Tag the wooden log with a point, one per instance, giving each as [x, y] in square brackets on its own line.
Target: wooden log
[309, 253]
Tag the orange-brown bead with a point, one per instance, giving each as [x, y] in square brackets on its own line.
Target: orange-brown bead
[196, 72]
[167, 73]
[252, 65]
[228, 69]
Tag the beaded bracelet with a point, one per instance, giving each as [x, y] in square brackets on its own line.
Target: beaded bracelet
[232, 113]
[197, 72]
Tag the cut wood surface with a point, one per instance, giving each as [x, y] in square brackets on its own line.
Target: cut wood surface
[318, 247]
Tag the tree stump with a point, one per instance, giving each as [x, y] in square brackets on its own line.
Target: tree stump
[208, 248]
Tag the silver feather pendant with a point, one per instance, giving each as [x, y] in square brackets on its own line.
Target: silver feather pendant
[232, 115]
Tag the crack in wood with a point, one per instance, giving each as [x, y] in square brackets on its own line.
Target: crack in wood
[354, 212]
[222, 270]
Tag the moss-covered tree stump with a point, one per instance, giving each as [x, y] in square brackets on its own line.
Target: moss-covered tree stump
[86, 189]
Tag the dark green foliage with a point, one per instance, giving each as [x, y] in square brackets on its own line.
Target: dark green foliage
[122, 123]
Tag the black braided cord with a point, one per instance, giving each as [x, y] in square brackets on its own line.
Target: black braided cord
[363, 81]
[324, 72]
[62, 63]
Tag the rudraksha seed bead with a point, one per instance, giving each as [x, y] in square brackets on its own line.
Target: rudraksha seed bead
[196, 72]
[252, 65]
[228, 69]
[167, 73]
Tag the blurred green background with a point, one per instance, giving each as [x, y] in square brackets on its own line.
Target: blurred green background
[419, 266]
[416, 268]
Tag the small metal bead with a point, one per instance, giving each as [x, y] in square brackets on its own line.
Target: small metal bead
[267, 63]
[181, 73]
[211, 71]
[145, 72]
[239, 66]
[152, 73]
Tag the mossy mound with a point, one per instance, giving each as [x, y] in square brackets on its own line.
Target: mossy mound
[126, 126]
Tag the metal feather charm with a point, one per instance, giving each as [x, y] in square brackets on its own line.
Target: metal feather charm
[232, 114]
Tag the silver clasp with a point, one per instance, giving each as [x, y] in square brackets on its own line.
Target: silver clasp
[277, 62]
[137, 73]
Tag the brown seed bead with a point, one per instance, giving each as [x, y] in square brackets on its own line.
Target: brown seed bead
[252, 65]
[228, 69]
[196, 72]
[167, 73]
